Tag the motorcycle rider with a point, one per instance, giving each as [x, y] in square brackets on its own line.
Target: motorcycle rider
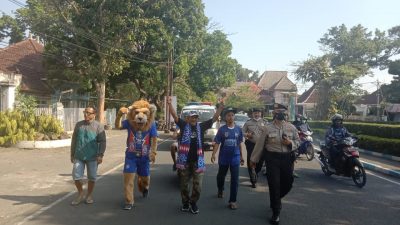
[301, 124]
[335, 133]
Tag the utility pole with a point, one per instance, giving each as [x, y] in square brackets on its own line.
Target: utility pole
[377, 101]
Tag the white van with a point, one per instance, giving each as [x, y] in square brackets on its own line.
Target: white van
[205, 112]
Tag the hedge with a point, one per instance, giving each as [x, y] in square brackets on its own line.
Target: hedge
[371, 129]
[383, 145]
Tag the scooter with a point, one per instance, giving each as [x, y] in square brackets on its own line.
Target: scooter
[306, 147]
[347, 165]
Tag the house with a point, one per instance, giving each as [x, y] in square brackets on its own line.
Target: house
[307, 102]
[368, 103]
[277, 88]
[21, 65]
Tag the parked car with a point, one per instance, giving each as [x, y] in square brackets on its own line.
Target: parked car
[240, 119]
[206, 112]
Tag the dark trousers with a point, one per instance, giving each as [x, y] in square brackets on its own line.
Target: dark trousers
[249, 148]
[222, 171]
[280, 177]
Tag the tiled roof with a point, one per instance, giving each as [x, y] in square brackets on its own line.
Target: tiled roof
[370, 99]
[25, 58]
[309, 96]
[277, 80]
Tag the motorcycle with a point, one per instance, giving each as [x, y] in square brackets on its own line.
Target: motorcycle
[348, 165]
[306, 147]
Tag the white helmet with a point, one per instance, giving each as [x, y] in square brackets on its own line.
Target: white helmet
[336, 117]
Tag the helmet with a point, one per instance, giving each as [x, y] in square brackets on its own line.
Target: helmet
[336, 117]
[300, 117]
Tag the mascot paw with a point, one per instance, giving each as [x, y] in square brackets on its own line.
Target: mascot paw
[152, 157]
[123, 110]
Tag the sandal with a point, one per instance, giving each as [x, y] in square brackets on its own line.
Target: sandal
[89, 200]
[232, 205]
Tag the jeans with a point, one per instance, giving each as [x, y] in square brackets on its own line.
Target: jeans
[222, 171]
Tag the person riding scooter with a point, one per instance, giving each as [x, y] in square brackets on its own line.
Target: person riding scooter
[301, 124]
[335, 133]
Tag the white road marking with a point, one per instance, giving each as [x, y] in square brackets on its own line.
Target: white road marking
[383, 178]
[43, 209]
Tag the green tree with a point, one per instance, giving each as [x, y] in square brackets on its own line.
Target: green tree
[244, 98]
[214, 68]
[349, 54]
[12, 28]
[243, 74]
[166, 31]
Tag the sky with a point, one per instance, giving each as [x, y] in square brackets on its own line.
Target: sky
[274, 34]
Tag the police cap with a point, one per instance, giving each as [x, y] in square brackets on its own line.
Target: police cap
[256, 110]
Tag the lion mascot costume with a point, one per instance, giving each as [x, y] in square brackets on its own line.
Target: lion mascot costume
[141, 147]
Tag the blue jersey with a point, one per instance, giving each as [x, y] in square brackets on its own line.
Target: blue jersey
[229, 140]
[138, 141]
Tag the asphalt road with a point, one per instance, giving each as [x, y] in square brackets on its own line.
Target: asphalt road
[36, 188]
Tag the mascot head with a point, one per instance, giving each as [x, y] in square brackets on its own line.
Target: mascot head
[141, 115]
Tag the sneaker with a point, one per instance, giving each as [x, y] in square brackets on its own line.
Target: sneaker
[185, 207]
[174, 167]
[253, 185]
[77, 200]
[194, 209]
[295, 175]
[274, 220]
[89, 200]
[232, 205]
[128, 207]
[220, 194]
[145, 193]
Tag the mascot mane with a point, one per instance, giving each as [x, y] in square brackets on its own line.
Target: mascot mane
[141, 115]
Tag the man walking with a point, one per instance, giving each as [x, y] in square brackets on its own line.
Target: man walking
[190, 162]
[87, 149]
[251, 131]
[280, 139]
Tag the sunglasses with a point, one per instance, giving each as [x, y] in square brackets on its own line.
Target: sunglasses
[88, 113]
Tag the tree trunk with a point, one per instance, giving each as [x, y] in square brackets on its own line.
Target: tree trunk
[101, 93]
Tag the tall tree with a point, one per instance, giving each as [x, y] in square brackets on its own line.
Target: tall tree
[167, 31]
[214, 67]
[349, 54]
[85, 40]
[12, 28]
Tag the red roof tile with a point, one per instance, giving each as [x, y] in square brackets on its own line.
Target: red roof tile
[25, 58]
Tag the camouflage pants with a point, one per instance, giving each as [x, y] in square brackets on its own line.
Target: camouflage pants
[197, 178]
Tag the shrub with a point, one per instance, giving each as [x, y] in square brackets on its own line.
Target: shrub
[18, 126]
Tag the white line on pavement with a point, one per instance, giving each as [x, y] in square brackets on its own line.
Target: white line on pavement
[43, 209]
[383, 178]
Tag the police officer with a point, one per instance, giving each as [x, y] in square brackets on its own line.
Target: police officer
[251, 131]
[279, 139]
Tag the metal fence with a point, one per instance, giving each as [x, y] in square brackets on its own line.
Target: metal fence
[70, 116]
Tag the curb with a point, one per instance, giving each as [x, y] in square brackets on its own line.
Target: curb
[386, 156]
[374, 167]
[380, 169]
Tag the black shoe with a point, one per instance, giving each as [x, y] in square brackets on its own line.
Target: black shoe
[185, 207]
[253, 185]
[145, 193]
[128, 207]
[194, 209]
[220, 194]
[174, 167]
[274, 220]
